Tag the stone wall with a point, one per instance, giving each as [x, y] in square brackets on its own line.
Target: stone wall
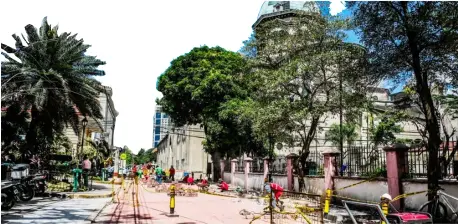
[450, 187]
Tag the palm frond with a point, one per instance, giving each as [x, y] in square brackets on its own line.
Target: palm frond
[54, 75]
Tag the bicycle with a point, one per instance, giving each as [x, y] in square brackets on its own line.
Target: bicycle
[439, 207]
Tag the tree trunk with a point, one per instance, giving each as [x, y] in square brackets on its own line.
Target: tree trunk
[428, 108]
[432, 127]
[31, 136]
[302, 171]
[216, 157]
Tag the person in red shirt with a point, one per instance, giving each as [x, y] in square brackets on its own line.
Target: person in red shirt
[223, 185]
[172, 173]
[203, 184]
[190, 181]
[277, 191]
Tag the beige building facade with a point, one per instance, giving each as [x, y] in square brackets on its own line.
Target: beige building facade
[96, 130]
[182, 147]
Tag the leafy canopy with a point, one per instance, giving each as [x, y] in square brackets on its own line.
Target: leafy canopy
[296, 76]
[196, 83]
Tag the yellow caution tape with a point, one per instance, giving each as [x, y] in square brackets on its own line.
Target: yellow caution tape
[407, 195]
[358, 183]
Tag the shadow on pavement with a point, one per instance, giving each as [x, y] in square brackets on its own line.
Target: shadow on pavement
[34, 204]
[55, 215]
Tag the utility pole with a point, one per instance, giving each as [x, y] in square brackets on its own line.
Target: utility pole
[340, 113]
[271, 152]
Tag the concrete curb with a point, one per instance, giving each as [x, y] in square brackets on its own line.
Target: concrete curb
[107, 182]
[105, 195]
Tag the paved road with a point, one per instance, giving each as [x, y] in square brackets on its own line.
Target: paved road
[53, 210]
[201, 209]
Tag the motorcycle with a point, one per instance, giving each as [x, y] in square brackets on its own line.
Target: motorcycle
[10, 195]
[26, 188]
[41, 184]
[38, 182]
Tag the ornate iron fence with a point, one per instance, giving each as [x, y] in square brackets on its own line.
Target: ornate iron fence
[257, 165]
[314, 164]
[417, 160]
[227, 165]
[362, 161]
[240, 165]
[278, 166]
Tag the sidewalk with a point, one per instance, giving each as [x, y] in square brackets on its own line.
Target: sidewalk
[53, 210]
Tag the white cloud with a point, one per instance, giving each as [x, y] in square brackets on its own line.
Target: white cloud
[336, 7]
[137, 39]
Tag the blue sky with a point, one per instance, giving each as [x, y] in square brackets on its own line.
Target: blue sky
[354, 38]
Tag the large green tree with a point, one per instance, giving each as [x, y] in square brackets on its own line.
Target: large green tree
[196, 86]
[145, 156]
[50, 74]
[416, 40]
[303, 72]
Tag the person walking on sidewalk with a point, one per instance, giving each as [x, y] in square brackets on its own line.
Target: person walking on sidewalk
[86, 169]
[158, 172]
[172, 173]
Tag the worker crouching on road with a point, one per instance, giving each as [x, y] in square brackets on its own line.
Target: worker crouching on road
[223, 186]
[203, 184]
[276, 190]
[190, 180]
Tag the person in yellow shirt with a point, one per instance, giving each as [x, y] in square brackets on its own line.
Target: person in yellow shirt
[145, 172]
[167, 174]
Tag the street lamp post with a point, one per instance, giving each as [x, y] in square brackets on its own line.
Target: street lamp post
[84, 122]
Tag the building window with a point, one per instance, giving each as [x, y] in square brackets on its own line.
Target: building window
[157, 130]
[157, 137]
[158, 121]
[158, 115]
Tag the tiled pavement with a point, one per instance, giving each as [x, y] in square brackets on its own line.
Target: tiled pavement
[201, 209]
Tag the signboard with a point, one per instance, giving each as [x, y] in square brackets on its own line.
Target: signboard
[123, 156]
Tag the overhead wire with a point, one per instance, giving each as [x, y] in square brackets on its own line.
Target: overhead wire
[187, 135]
[199, 130]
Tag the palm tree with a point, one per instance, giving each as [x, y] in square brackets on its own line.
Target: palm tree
[14, 126]
[52, 77]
